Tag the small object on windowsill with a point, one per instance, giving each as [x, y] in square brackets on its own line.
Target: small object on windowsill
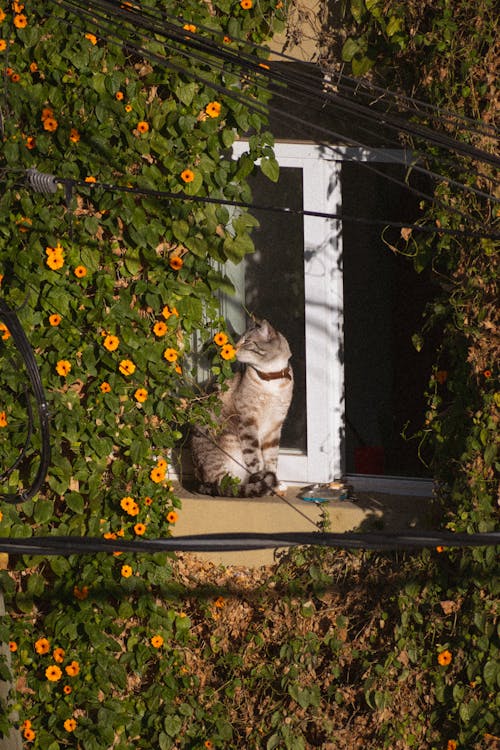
[323, 493]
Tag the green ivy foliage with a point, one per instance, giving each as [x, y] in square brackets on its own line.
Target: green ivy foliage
[117, 290]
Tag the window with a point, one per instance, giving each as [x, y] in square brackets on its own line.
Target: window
[330, 287]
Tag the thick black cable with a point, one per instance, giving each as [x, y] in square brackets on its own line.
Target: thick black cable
[23, 346]
[231, 542]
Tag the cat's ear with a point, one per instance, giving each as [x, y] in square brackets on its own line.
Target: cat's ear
[266, 331]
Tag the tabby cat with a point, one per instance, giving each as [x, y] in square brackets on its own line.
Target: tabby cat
[246, 443]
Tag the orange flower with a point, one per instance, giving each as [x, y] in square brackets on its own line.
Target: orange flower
[220, 338]
[30, 142]
[170, 354]
[208, 745]
[58, 655]
[3, 419]
[128, 108]
[105, 387]
[63, 367]
[159, 328]
[190, 27]
[441, 376]
[172, 516]
[4, 331]
[119, 96]
[126, 571]
[111, 342]
[176, 263]
[157, 641]
[50, 124]
[487, 373]
[29, 734]
[92, 38]
[46, 113]
[246, 4]
[53, 673]
[90, 179]
[42, 646]
[54, 319]
[80, 272]
[80, 594]
[444, 658]
[55, 261]
[227, 40]
[129, 505]
[20, 21]
[72, 669]
[228, 352]
[139, 529]
[126, 367]
[70, 725]
[12, 646]
[15, 78]
[161, 464]
[67, 690]
[168, 311]
[33, 67]
[213, 109]
[148, 501]
[451, 745]
[187, 175]
[74, 135]
[220, 602]
[141, 395]
[142, 127]
[157, 475]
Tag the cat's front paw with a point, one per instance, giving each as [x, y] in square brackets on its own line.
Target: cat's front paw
[261, 483]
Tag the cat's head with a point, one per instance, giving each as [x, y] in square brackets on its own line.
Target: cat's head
[263, 346]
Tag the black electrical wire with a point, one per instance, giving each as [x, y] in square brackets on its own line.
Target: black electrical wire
[23, 346]
[231, 542]
[188, 38]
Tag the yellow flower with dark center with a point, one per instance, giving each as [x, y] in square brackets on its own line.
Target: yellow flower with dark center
[33, 67]
[246, 4]
[111, 342]
[119, 96]
[213, 109]
[172, 516]
[50, 124]
[42, 646]
[190, 27]
[3, 45]
[63, 367]
[53, 673]
[12, 646]
[20, 21]
[29, 734]
[72, 669]
[187, 175]
[80, 272]
[74, 135]
[157, 475]
[159, 328]
[90, 179]
[170, 354]
[128, 108]
[54, 319]
[176, 263]
[70, 725]
[126, 367]
[228, 352]
[67, 690]
[141, 395]
[2, 15]
[46, 113]
[55, 261]
[140, 529]
[105, 387]
[444, 658]
[126, 571]
[142, 127]
[220, 338]
[157, 641]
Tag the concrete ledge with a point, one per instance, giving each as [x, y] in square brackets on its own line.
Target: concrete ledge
[201, 514]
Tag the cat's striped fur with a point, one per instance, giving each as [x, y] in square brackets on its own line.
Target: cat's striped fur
[245, 446]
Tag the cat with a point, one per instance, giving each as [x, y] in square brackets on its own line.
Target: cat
[245, 445]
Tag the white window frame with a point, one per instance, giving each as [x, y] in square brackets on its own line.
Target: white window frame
[323, 460]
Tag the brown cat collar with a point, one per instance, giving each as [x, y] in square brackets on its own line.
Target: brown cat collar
[284, 373]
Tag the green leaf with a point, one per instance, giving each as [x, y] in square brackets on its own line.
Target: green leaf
[270, 168]
[491, 674]
[350, 48]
